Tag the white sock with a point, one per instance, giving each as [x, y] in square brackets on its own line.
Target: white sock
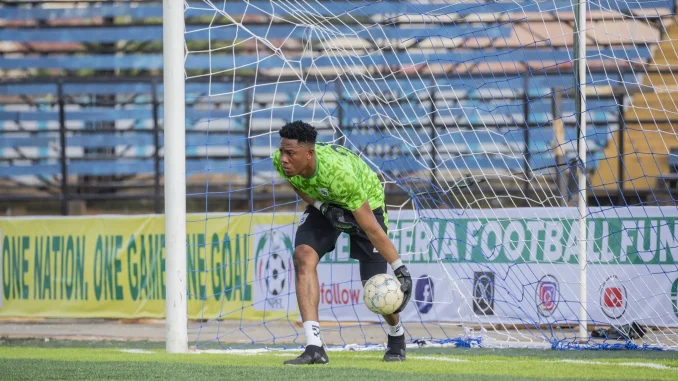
[397, 330]
[312, 330]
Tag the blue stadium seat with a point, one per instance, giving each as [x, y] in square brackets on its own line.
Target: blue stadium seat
[231, 32]
[121, 167]
[401, 165]
[103, 10]
[488, 163]
[287, 113]
[244, 61]
[99, 114]
[107, 140]
[480, 140]
[28, 89]
[107, 88]
[32, 169]
[294, 90]
[543, 160]
[33, 141]
[385, 140]
[599, 110]
[326, 8]
[597, 138]
[390, 114]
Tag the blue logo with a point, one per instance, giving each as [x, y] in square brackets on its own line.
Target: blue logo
[423, 294]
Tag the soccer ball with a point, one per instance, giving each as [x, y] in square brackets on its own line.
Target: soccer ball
[382, 294]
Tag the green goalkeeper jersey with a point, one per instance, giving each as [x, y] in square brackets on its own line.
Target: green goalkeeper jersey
[341, 178]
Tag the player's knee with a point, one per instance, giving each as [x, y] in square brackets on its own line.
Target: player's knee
[305, 259]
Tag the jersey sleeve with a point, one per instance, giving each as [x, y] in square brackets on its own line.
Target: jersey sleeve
[347, 190]
[277, 165]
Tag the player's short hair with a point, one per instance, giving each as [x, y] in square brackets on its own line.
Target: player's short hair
[300, 131]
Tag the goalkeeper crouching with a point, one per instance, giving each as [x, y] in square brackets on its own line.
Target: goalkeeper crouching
[344, 195]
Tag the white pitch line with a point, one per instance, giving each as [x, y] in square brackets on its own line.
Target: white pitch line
[647, 365]
[634, 364]
[436, 358]
[245, 352]
[138, 351]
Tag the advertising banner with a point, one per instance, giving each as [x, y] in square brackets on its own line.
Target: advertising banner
[114, 266]
[521, 266]
[511, 265]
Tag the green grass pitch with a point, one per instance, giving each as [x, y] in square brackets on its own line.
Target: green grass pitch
[72, 360]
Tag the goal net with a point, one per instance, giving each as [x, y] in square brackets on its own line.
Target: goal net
[494, 158]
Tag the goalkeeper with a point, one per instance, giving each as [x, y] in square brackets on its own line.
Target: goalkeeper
[344, 195]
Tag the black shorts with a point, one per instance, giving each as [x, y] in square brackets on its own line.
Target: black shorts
[317, 232]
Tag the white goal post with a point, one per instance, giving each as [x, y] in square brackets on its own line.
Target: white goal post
[176, 307]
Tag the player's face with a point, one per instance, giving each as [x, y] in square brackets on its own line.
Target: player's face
[294, 157]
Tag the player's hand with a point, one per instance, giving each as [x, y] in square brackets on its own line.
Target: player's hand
[403, 275]
[338, 218]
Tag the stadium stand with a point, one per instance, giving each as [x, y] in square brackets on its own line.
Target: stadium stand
[671, 178]
[81, 96]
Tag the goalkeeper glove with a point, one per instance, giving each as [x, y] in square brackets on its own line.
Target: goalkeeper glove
[403, 275]
[338, 217]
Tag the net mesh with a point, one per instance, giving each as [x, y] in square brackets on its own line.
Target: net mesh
[467, 112]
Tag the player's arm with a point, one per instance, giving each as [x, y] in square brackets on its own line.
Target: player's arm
[368, 223]
[333, 213]
[364, 217]
[347, 188]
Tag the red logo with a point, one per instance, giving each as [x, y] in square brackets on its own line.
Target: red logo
[547, 291]
[613, 297]
[547, 295]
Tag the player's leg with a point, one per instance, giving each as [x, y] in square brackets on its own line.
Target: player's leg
[396, 347]
[372, 263]
[306, 278]
[315, 237]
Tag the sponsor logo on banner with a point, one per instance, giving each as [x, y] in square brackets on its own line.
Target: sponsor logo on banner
[423, 294]
[613, 298]
[483, 293]
[338, 294]
[547, 295]
[674, 296]
[273, 269]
